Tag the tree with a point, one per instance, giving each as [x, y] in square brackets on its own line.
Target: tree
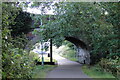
[23, 23]
[89, 23]
[16, 62]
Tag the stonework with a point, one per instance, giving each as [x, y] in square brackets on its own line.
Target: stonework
[83, 56]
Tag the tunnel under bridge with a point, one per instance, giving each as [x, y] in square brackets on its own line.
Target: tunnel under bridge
[83, 55]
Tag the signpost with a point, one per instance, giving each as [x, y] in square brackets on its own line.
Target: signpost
[41, 51]
[51, 50]
[42, 54]
[42, 60]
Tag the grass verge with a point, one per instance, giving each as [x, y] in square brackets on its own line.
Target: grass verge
[46, 59]
[41, 71]
[67, 52]
[96, 72]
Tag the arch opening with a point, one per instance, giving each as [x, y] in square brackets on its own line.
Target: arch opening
[83, 54]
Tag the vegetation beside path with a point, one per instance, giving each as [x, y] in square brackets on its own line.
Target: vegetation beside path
[98, 19]
[93, 71]
[67, 50]
[41, 71]
[96, 72]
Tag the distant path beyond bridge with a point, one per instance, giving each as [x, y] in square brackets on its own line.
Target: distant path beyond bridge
[66, 69]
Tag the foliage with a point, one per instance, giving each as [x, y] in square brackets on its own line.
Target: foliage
[37, 20]
[66, 52]
[16, 62]
[97, 24]
[22, 25]
[111, 65]
[15, 19]
[94, 23]
[9, 12]
[97, 72]
[42, 6]
[41, 72]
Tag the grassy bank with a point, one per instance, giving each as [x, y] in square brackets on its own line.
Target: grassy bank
[67, 52]
[96, 72]
[70, 54]
[41, 71]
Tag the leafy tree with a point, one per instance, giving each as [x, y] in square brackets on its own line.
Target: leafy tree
[22, 24]
[96, 24]
[16, 62]
[89, 22]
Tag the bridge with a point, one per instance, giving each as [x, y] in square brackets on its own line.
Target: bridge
[82, 54]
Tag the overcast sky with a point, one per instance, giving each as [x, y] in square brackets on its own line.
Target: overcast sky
[37, 10]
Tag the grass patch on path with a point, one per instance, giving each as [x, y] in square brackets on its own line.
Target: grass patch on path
[96, 72]
[41, 71]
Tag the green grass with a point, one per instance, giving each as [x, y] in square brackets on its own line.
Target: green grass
[47, 59]
[41, 71]
[70, 56]
[96, 72]
[67, 52]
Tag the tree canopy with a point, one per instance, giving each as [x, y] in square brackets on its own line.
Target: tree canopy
[96, 24]
[16, 62]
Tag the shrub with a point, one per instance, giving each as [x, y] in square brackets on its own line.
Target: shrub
[111, 65]
[17, 64]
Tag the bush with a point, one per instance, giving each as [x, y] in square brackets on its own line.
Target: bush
[16, 62]
[111, 65]
[17, 65]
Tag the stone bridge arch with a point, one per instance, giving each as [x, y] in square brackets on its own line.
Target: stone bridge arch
[83, 54]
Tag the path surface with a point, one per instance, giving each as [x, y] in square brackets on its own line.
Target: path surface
[66, 69]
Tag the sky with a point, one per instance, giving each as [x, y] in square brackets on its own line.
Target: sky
[48, 12]
[37, 10]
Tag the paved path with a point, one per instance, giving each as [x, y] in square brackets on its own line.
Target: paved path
[66, 69]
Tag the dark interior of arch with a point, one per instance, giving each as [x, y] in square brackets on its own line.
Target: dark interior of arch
[76, 42]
